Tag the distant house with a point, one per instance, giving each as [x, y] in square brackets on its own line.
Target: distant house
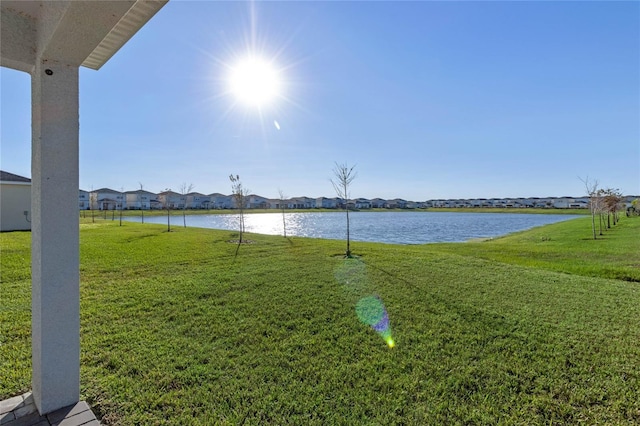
[528, 202]
[397, 203]
[107, 199]
[257, 202]
[561, 202]
[326, 203]
[411, 205]
[579, 203]
[221, 201]
[339, 203]
[378, 203]
[140, 199]
[15, 202]
[196, 200]
[629, 199]
[542, 203]
[302, 203]
[362, 203]
[171, 200]
[83, 200]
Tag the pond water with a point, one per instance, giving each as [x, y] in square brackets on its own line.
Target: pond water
[384, 227]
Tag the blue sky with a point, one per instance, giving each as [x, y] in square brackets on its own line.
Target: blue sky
[428, 100]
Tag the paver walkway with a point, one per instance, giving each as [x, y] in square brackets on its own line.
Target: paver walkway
[21, 411]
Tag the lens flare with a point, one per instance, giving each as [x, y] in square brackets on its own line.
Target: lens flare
[352, 274]
[371, 311]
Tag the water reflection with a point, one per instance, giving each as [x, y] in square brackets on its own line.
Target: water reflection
[386, 227]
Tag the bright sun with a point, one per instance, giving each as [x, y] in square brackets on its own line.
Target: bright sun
[254, 81]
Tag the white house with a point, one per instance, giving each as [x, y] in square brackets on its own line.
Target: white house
[196, 200]
[257, 202]
[171, 200]
[326, 203]
[629, 199]
[139, 200]
[397, 203]
[15, 202]
[302, 203]
[579, 203]
[561, 202]
[378, 203]
[84, 200]
[221, 201]
[543, 203]
[107, 199]
[362, 203]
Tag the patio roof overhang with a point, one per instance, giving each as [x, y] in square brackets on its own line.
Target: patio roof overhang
[72, 32]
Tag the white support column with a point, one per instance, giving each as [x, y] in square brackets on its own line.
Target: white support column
[55, 236]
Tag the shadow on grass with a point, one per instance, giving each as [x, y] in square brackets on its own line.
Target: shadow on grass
[395, 277]
[142, 237]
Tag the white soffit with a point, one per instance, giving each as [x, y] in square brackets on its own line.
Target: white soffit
[74, 32]
[137, 16]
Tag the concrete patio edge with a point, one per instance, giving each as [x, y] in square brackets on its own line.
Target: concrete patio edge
[21, 411]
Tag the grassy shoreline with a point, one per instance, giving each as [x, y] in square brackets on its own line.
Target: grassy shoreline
[177, 329]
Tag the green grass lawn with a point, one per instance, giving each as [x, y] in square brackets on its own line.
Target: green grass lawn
[538, 327]
[507, 210]
[567, 247]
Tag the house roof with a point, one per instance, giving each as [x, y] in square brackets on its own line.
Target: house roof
[10, 177]
[106, 190]
[139, 191]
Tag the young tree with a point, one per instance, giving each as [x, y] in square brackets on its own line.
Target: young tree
[599, 208]
[343, 176]
[184, 190]
[141, 202]
[93, 201]
[122, 199]
[591, 188]
[167, 205]
[239, 194]
[612, 200]
[284, 220]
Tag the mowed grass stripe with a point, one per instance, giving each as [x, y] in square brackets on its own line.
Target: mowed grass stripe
[566, 247]
[177, 329]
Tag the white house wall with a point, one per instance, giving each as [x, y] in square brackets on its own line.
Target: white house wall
[83, 200]
[15, 200]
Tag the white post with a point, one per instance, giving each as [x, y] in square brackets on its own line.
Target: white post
[55, 236]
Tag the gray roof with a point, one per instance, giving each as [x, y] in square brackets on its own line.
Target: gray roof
[10, 177]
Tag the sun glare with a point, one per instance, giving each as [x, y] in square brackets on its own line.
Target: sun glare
[254, 82]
